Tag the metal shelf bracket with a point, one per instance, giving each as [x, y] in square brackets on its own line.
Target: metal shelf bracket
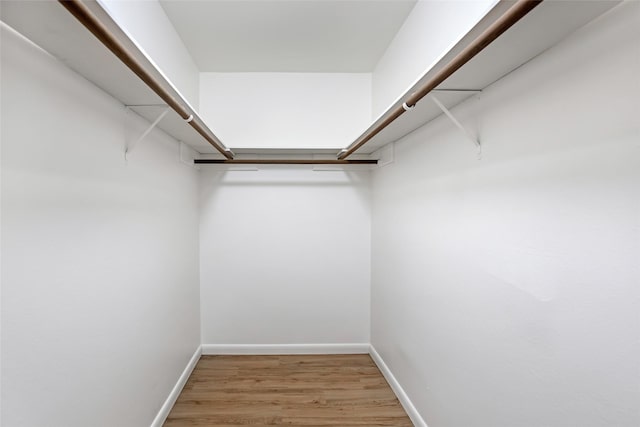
[470, 136]
[130, 145]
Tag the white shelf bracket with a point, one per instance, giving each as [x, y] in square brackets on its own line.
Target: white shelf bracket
[470, 136]
[131, 145]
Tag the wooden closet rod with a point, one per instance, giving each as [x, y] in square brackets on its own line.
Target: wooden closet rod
[508, 19]
[283, 162]
[83, 14]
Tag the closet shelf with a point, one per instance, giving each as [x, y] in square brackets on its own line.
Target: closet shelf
[540, 29]
[50, 26]
[53, 28]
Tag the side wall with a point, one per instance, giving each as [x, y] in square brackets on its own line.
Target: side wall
[100, 311]
[285, 256]
[505, 291]
[286, 110]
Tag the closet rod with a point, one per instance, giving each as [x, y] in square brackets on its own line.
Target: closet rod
[502, 24]
[283, 162]
[83, 14]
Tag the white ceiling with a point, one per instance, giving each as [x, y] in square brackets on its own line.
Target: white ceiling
[285, 35]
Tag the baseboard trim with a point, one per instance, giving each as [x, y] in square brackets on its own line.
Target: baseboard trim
[163, 413]
[239, 349]
[406, 403]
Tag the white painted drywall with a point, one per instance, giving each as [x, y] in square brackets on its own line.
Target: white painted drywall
[286, 110]
[147, 23]
[100, 310]
[505, 291]
[285, 256]
[429, 31]
[315, 36]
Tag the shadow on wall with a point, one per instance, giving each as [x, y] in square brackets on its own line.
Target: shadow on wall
[215, 177]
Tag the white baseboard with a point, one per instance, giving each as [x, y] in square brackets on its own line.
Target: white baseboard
[397, 389]
[163, 413]
[237, 349]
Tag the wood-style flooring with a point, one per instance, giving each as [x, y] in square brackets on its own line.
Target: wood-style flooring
[309, 390]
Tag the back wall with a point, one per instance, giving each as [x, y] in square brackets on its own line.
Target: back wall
[284, 256]
[286, 110]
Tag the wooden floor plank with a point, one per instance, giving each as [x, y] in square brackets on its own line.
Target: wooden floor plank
[305, 390]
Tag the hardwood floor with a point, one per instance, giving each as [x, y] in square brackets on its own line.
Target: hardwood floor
[309, 390]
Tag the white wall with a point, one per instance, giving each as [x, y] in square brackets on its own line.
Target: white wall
[147, 23]
[100, 310]
[505, 291]
[285, 256]
[286, 110]
[429, 31]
